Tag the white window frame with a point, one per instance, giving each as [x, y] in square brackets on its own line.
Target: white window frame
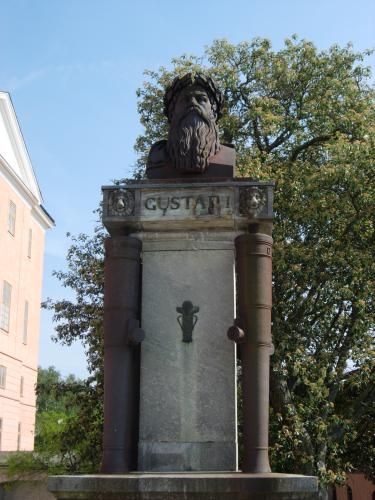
[3, 377]
[12, 214]
[30, 243]
[19, 436]
[5, 306]
[25, 322]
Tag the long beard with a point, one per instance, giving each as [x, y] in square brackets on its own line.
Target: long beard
[191, 143]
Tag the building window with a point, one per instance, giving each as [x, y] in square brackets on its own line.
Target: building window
[3, 376]
[1, 431]
[21, 387]
[19, 437]
[5, 306]
[12, 218]
[30, 242]
[25, 322]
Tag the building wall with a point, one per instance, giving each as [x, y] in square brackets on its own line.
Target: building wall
[20, 358]
[360, 488]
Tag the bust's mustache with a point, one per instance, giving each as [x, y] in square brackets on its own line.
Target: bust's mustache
[192, 116]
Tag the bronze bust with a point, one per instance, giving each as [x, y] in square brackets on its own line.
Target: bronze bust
[192, 104]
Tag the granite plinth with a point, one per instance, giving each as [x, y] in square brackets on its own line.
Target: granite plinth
[187, 374]
[188, 386]
[185, 486]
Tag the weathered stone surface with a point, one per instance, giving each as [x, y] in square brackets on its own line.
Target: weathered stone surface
[188, 389]
[25, 489]
[198, 486]
[189, 206]
[188, 403]
[190, 456]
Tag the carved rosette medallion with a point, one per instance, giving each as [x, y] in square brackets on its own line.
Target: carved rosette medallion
[252, 200]
[121, 202]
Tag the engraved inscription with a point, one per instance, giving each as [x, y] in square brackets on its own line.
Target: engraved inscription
[149, 206]
[186, 204]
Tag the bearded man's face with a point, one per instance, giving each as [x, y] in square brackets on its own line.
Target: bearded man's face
[193, 134]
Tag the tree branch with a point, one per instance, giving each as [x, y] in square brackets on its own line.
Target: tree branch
[279, 140]
[257, 135]
[312, 142]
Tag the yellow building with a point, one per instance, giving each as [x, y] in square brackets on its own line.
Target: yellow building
[23, 222]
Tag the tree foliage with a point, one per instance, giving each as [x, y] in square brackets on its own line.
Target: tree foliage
[66, 429]
[68, 421]
[305, 119]
[55, 407]
[82, 319]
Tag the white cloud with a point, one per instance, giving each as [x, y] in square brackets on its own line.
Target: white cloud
[66, 70]
[16, 82]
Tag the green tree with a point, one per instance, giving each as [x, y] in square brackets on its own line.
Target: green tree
[305, 119]
[60, 428]
[82, 319]
[55, 408]
[48, 396]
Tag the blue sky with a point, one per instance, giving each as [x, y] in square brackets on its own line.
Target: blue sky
[72, 68]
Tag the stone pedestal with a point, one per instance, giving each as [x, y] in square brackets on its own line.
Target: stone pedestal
[188, 380]
[198, 486]
[187, 412]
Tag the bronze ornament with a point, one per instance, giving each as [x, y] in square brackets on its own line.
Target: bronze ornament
[187, 319]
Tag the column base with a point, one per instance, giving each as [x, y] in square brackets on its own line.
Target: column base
[185, 486]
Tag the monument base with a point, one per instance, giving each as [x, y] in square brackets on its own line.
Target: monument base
[184, 486]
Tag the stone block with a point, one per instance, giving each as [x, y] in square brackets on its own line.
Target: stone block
[188, 389]
[198, 486]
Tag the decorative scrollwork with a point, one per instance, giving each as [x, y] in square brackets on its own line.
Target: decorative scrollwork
[121, 202]
[252, 200]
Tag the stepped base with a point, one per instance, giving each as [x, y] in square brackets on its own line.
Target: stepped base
[184, 486]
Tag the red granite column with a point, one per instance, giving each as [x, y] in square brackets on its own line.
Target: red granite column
[122, 336]
[254, 285]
